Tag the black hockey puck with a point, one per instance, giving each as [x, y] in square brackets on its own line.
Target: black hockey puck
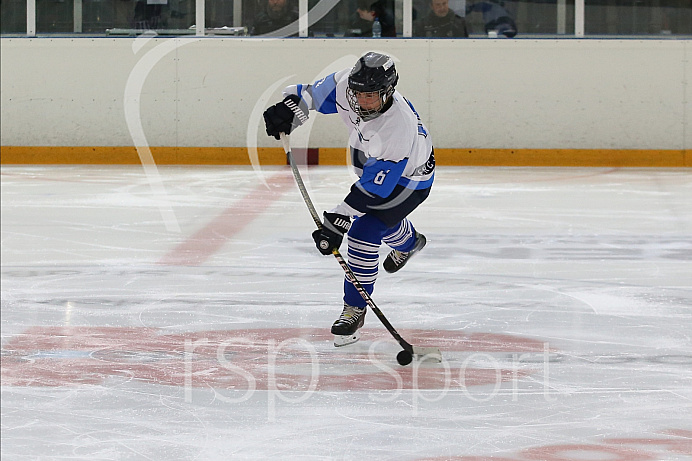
[404, 357]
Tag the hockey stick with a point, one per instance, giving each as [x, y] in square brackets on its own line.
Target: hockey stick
[432, 353]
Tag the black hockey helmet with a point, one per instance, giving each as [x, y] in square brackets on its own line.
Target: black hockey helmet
[373, 73]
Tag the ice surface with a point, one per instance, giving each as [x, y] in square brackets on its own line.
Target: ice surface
[561, 298]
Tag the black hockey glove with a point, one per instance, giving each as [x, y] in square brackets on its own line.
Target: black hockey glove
[332, 232]
[285, 116]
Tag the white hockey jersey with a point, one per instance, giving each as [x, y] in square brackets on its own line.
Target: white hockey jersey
[393, 149]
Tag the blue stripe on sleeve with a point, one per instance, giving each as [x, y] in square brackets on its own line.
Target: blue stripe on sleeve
[380, 177]
[407, 183]
[324, 95]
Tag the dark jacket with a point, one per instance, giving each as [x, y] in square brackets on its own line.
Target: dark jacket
[495, 17]
[451, 25]
[264, 23]
[363, 28]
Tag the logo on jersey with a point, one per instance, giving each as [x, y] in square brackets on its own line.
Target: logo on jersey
[428, 167]
[361, 138]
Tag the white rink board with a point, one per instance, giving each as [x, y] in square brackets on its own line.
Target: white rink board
[476, 93]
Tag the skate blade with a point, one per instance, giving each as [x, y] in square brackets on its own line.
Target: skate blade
[345, 340]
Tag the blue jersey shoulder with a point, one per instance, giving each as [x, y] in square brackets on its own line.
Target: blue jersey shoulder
[324, 95]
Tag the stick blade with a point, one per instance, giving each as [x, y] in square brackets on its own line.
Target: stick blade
[427, 353]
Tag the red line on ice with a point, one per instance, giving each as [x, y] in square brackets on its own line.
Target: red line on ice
[205, 242]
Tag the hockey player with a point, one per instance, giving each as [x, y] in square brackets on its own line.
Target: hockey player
[392, 153]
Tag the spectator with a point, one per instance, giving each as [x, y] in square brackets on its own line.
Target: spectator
[367, 11]
[149, 14]
[441, 22]
[273, 16]
[495, 17]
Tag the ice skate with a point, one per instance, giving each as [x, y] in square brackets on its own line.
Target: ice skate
[346, 329]
[397, 259]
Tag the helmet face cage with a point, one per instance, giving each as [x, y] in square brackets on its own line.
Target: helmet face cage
[369, 113]
[373, 74]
